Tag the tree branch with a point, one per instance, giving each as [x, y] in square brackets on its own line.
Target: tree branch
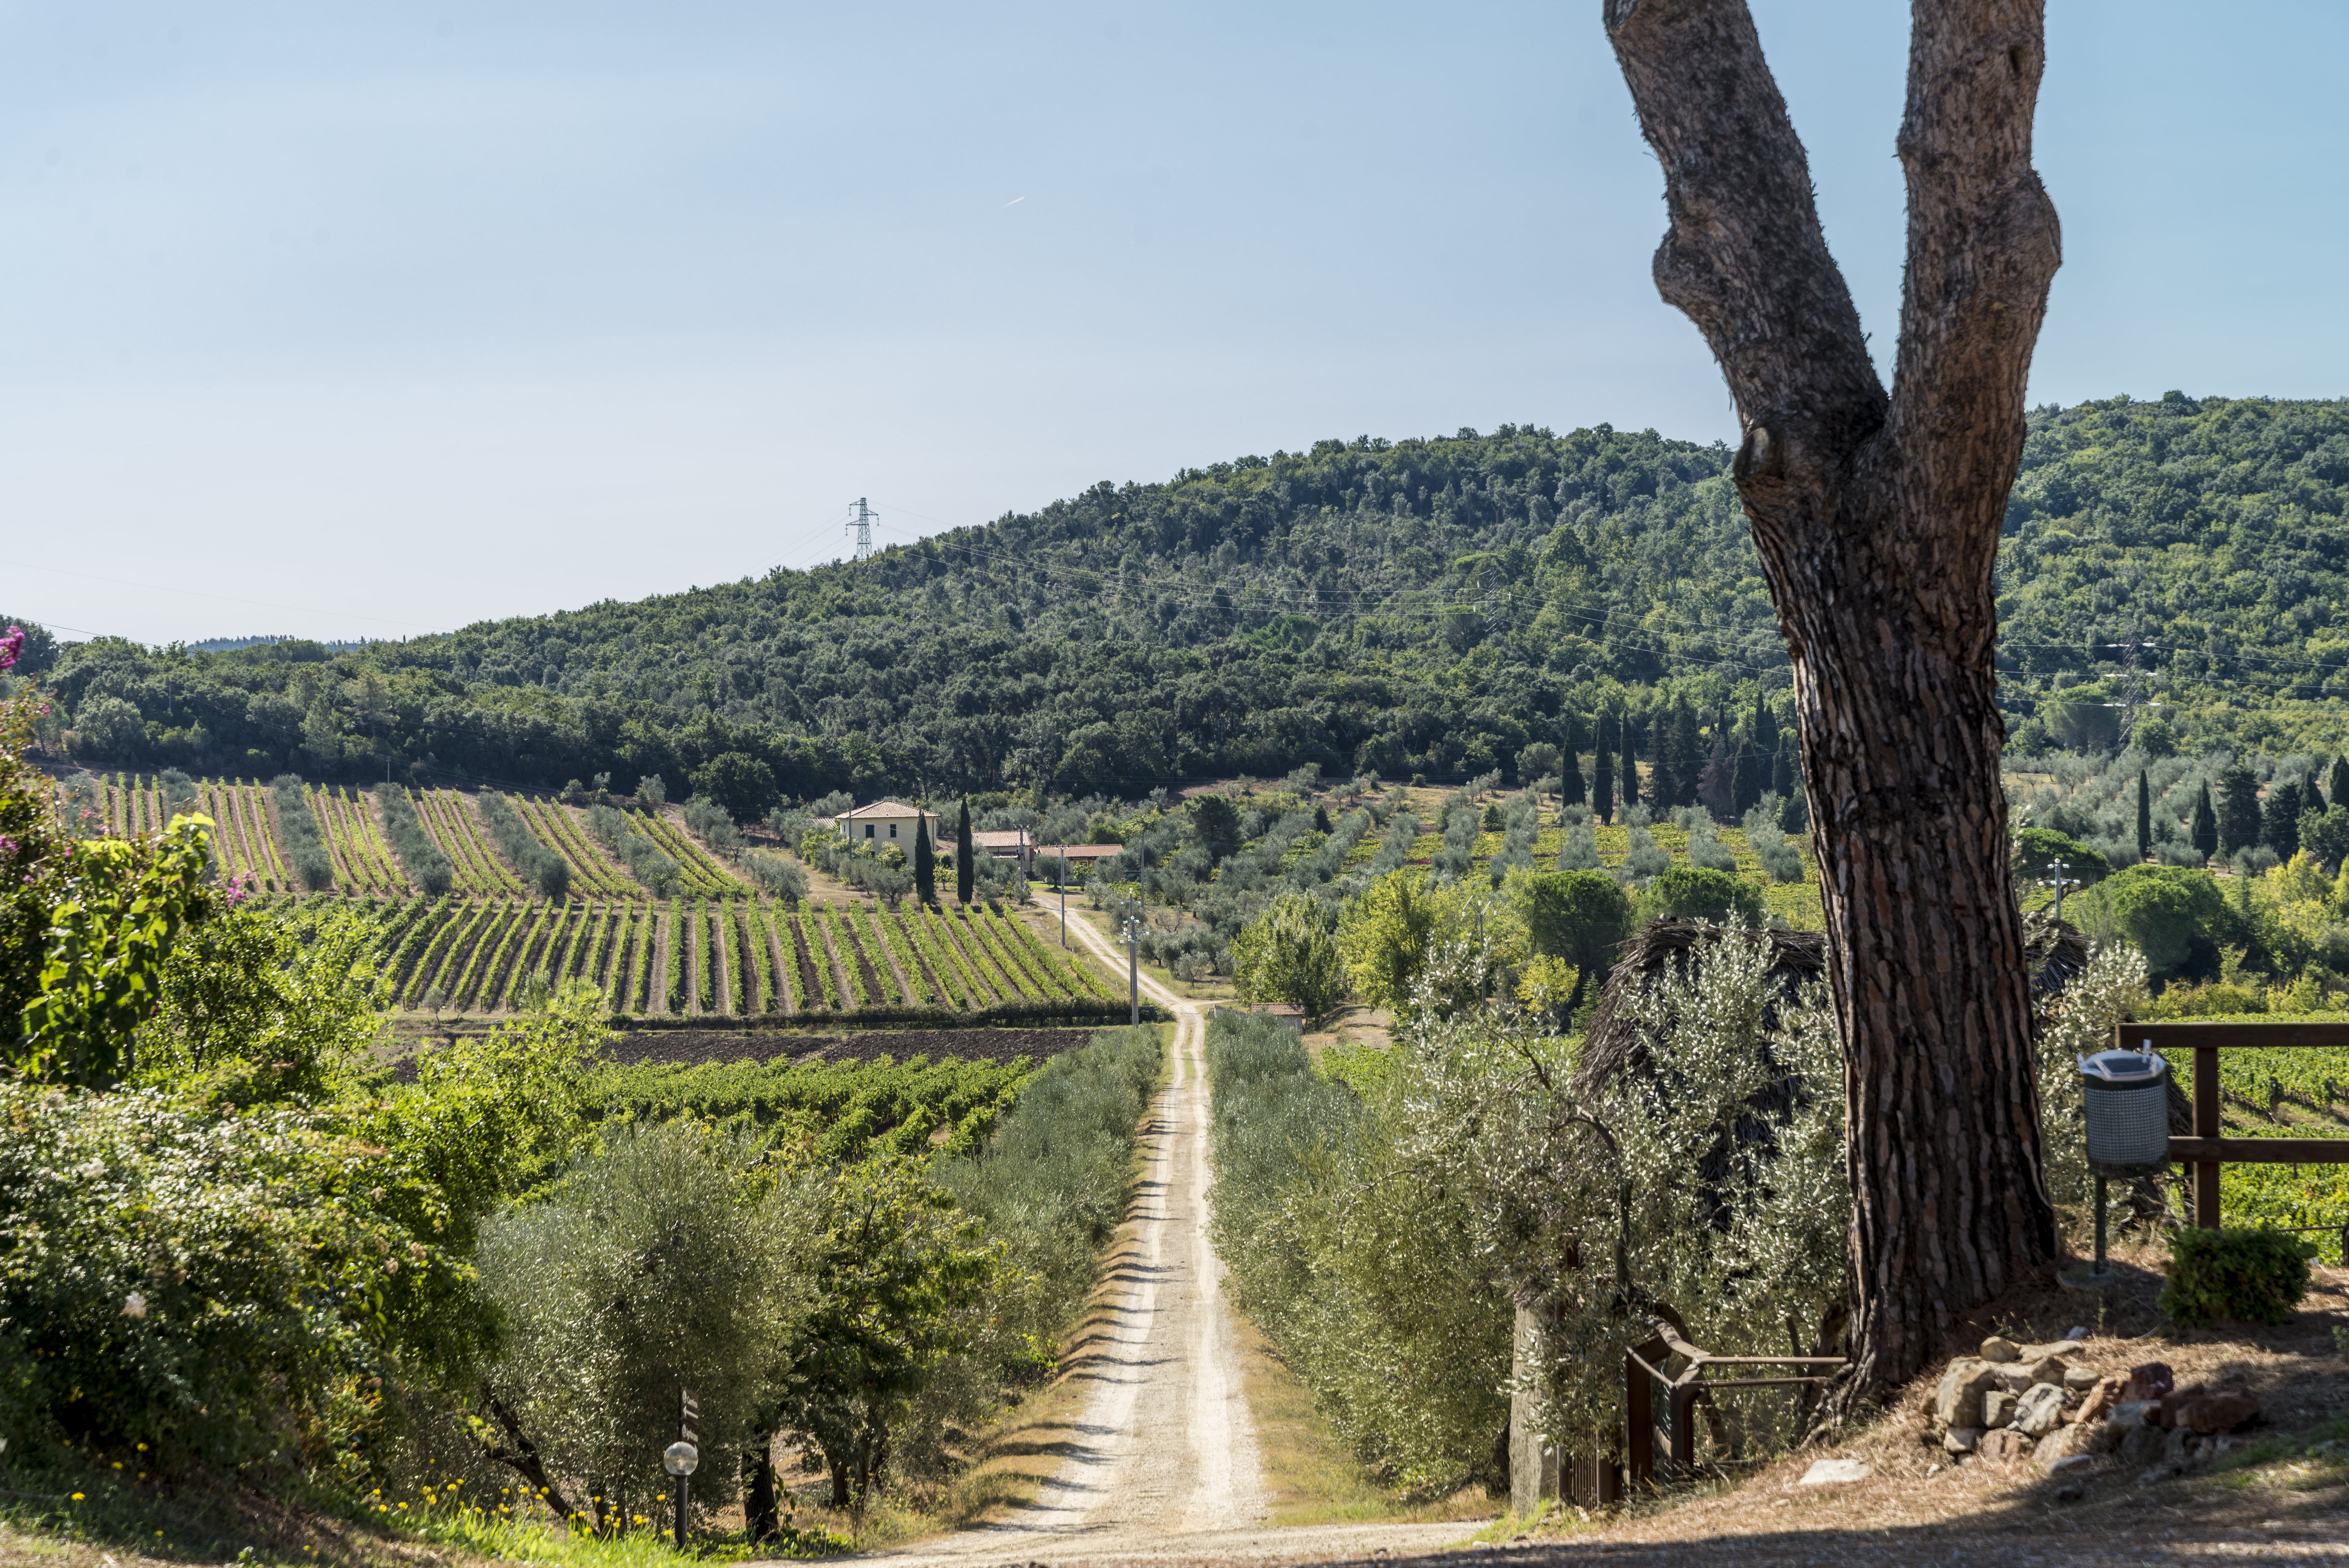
[1744, 258]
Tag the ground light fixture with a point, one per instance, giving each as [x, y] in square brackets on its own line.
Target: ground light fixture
[679, 1459]
[2125, 1098]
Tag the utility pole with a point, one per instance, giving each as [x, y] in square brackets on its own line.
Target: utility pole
[2059, 868]
[1134, 965]
[863, 529]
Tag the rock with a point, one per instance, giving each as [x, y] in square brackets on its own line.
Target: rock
[2164, 1412]
[1998, 1409]
[2080, 1379]
[2071, 1464]
[2078, 1331]
[2181, 1450]
[1824, 1472]
[2141, 1445]
[2070, 1491]
[2046, 1369]
[2222, 1412]
[2002, 1445]
[2149, 1381]
[1996, 1348]
[1964, 1440]
[2135, 1414]
[2039, 1411]
[2014, 1377]
[2066, 1442]
[1958, 1401]
[2101, 1399]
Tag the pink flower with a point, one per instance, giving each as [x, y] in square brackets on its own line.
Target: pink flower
[10, 645]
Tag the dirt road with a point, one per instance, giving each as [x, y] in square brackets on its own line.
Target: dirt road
[1166, 1464]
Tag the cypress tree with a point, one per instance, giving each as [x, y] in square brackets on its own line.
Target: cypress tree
[2280, 822]
[1749, 776]
[2144, 818]
[1602, 774]
[1571, 791]
[2334, 786]
[2311, 795]
[1786, 768]
[2238, 810]
[925, 864]
[1689, 758]
[964, 872]
[1629, 729]
[2205, 830]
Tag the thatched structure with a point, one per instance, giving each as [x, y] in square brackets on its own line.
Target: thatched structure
[2056, 950]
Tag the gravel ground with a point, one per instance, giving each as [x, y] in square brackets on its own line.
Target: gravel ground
[1165, 1468]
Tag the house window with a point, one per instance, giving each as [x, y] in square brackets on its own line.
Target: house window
[868, 829]
[892, 829]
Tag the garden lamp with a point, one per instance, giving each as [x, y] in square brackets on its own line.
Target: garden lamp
[679, 1459]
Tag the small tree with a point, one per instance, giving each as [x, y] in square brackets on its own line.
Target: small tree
[1701, 893]
[1627, 781]
[1290, 953]
[1579, 916]
[742, 783]
[899, 1274]
[2280, 821]
[966, 868]
[651, 793]
[925, 864]
[2205, 830]
[2144, 817]
[1215, 822]
[2238, 810]
[1602, 782]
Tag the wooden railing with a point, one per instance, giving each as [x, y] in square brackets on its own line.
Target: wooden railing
[2207, 1149]
[1643, 1369]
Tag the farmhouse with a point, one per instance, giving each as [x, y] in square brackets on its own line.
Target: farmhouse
[885, 822]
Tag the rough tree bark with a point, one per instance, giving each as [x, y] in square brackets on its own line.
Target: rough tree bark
[1876, 519]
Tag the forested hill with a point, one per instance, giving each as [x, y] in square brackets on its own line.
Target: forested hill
[1422, 606]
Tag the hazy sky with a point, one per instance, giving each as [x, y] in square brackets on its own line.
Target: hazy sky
[371, 320]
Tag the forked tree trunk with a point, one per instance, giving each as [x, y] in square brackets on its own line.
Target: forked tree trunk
[1876, 519]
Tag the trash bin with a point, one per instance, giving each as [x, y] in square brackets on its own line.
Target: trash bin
[2127, 1106]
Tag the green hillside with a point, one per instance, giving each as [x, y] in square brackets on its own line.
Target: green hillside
[1422, 606]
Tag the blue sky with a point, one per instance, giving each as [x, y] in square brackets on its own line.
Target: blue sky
[372, 320]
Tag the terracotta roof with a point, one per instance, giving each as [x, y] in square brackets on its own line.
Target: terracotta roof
[884, 809]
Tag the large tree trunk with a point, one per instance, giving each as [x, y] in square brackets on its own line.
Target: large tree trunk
[1876, 519]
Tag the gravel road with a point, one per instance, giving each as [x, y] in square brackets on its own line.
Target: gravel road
[1165, 1466]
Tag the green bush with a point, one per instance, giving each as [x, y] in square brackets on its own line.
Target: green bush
[2248, 1273]
[1702, 893]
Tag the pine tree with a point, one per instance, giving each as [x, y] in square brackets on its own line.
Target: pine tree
[925, 864]
[2144, 818]
[1602, 773]
[2238, 810]
[966, 872]
[2205, 830]
[1627, 729]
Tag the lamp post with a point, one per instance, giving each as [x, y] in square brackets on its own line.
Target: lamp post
[2060, 881]
[679, 1459]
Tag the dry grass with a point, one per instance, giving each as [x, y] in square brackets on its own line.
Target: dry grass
[1310, 1476]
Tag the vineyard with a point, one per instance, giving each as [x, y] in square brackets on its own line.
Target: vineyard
[733, 956]
[708, 945]
[2282, 1093]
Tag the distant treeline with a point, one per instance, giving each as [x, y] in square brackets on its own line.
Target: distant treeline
[1420, 607]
